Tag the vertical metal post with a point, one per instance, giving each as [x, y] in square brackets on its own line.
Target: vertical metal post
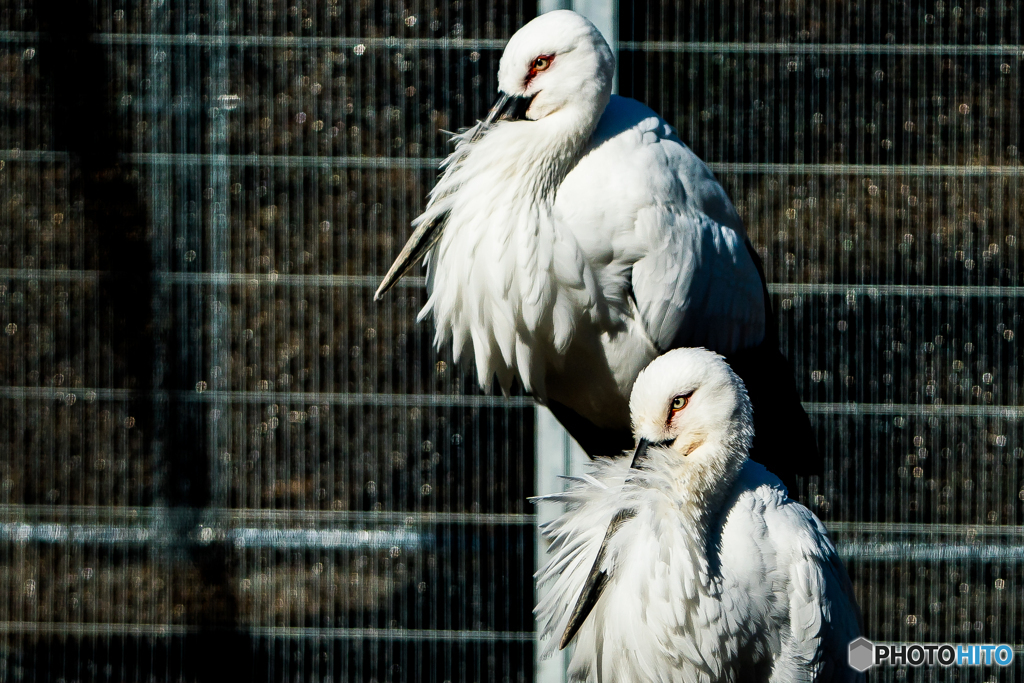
[218, 245]
[558, 455]
[162, 246]
[551, 5]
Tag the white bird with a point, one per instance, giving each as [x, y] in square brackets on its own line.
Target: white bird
[692, 564]
[573, 238]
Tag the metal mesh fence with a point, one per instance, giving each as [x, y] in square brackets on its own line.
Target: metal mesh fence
[873, 152]
[220, 460]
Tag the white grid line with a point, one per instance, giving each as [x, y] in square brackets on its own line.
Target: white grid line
[821, 49]
[412, 281]
[432, 163]
[462, 401]
[90, 395]
[444, 43]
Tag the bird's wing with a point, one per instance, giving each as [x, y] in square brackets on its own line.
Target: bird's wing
[629, 584]
[576, 542]
[653, 219]
[502, 280]
[817, 597]
[592, 586]
[696, 285]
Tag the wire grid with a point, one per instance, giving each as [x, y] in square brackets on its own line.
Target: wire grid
[215, 444]
[873, 150]
[220, 459]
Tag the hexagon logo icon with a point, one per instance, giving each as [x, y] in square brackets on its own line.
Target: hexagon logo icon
[862, 654]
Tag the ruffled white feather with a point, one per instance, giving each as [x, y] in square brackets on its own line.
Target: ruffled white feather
[504, 279]
[577, 246]
[745, 587]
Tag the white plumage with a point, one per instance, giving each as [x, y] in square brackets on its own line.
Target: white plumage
[573, 237]
[571, 245]
[694, 565]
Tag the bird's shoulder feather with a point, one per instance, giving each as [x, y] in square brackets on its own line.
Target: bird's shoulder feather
[658, 227]
[812, 599]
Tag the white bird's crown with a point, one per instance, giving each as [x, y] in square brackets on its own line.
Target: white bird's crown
[558, 60]
[689, 398]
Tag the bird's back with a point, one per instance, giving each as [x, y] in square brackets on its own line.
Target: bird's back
[812, 604]
[672, 260]
[669, 254]
[650, 216]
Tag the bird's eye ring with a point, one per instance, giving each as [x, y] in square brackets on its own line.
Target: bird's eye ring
[541, 63]
[679, 402]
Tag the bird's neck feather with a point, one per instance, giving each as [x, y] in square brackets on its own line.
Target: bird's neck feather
[549, 149]
[523, 162]
[702, 479]
[501, 244]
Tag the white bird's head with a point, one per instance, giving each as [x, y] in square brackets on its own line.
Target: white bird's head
[556, 74]
[692, 420]
[690, 402]
[559, 61]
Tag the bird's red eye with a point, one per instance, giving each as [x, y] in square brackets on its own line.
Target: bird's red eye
[541, 63]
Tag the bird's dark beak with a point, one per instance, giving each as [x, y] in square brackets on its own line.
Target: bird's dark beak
[509, 108]
[640, 452]
[420, 242]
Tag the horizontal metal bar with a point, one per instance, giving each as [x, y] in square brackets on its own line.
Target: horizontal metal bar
[202, 278]
[432, 163]
[158, 532]
[931, 542]
[76, 534]
[412, 281]
[287, 161]
[329, 42]
[64, 628]
[955, 291]
[51, 275]
[919, 529]
[394, 42]
[263, 397]
[144, 516]
[938, 170]
[912, 410]
[393, 634]
[892, 49]
[331, 518]
[460, 401]
[51, 394]
[721, 167]
[241, 160]
[175, 630]
[288, 280]
[33, 156]
[928, 552]
[245, 537]
[410, 540]
[320, 539]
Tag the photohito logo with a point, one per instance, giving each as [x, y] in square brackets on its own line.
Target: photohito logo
[864, 654]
